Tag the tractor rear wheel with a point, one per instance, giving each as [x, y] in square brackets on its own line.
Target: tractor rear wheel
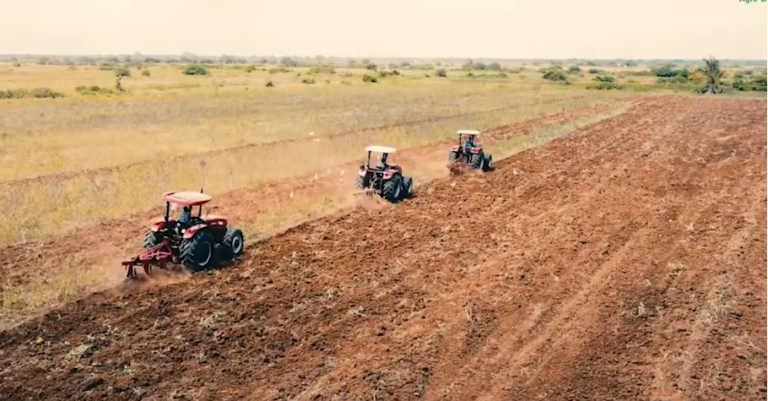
[234, 242]
[489, 162]
[197, 252]
[408, 186]
[477, 160]
[393, 188]
[453, 156]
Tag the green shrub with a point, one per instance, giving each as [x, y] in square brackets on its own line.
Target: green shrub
[757, 84]
[196, 70]
[605, 86]
[493, 67]
[593, 71]
[604, 78]
[672, 81]
[93, 90]
[145, 73]
[123, 72]
[279, 70]
[369, 78]
[249, 69]
[322, 70]
[574, 69]
[554, 74]
[441, 73]
[13, 94]
[42, 93]
[308, 81]
[17, 64]
[269, 84]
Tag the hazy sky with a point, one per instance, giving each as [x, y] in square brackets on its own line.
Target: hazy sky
[427, 28]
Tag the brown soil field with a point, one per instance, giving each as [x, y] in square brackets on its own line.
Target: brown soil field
[626, 261]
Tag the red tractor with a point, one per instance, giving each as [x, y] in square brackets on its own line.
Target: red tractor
[384, 179]
[468, 153]
[192, 241]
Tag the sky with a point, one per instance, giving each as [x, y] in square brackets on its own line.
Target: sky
[666, 29]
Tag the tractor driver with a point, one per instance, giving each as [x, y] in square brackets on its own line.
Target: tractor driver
[470, 143]
[186, 216]
[382, 162]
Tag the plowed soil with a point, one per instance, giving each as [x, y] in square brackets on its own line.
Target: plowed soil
[626, 261]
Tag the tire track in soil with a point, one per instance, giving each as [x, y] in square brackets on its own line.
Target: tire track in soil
[563, 251]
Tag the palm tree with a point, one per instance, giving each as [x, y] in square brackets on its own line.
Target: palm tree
[713, 73]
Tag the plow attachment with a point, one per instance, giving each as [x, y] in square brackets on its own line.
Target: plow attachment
[457, 167]
[158, 255]
[365, 192]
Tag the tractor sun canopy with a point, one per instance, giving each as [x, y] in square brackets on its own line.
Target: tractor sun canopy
[186, 198]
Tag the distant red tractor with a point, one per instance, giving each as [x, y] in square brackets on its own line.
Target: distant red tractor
[191, 241]
[384, 179]
[468, 153]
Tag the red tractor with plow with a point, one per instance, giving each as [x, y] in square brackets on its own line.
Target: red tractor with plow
[190, 241]
[384, 179]
[467, 153]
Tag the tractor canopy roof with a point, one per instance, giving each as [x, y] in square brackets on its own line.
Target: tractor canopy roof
[186, 198]
[467, 132]
[381, 149]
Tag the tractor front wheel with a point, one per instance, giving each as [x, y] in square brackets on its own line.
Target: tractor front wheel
[197, 252]
[360, 183]
[234, 242]
[152, 239]
[392, 188]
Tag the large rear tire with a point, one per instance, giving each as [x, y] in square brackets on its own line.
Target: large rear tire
[392, 188]
[453, 156]
[408, 187]
[489, 163]
[477, 161]
[197, 252]
[234, 242]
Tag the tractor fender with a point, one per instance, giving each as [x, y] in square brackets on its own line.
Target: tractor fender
[455, 148]
[191, 231]
[391, 172]
[476, 150]
[161, 224]
[363, 172]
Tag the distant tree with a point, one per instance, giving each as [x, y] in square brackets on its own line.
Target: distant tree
[441, 73]
[712, 74]
[123, 72]
[574, 69]
[493, 67]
